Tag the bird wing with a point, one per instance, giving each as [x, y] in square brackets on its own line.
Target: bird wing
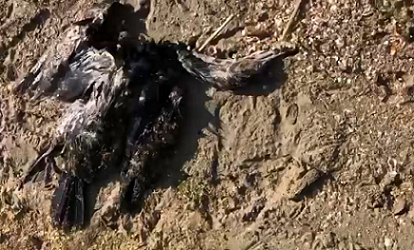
[94, 76]
[225, 74]
[88, 67]
[42, 74]
[53, 64]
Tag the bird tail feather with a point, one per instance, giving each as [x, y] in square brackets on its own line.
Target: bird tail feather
[68, 203]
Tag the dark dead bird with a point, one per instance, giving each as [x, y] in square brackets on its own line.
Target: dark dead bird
[130, 112]
[123, 100]
[155, 114]
[82, 138]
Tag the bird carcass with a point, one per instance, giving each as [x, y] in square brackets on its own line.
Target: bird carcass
[122, 102]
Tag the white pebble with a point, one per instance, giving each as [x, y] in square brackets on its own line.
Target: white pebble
[387, 242]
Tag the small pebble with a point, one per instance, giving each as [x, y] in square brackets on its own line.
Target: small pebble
[400, 206]
[387, 242]
[328, 240]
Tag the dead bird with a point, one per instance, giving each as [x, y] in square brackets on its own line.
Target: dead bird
[82, 138]
[123, 107]
[129, 111]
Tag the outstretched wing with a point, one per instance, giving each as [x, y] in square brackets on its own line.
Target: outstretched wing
[53, 64]
[225, 74]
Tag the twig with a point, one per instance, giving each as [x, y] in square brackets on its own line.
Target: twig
[291, 19]
[215, 34]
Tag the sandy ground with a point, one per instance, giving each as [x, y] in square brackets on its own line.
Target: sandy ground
[319, 157]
